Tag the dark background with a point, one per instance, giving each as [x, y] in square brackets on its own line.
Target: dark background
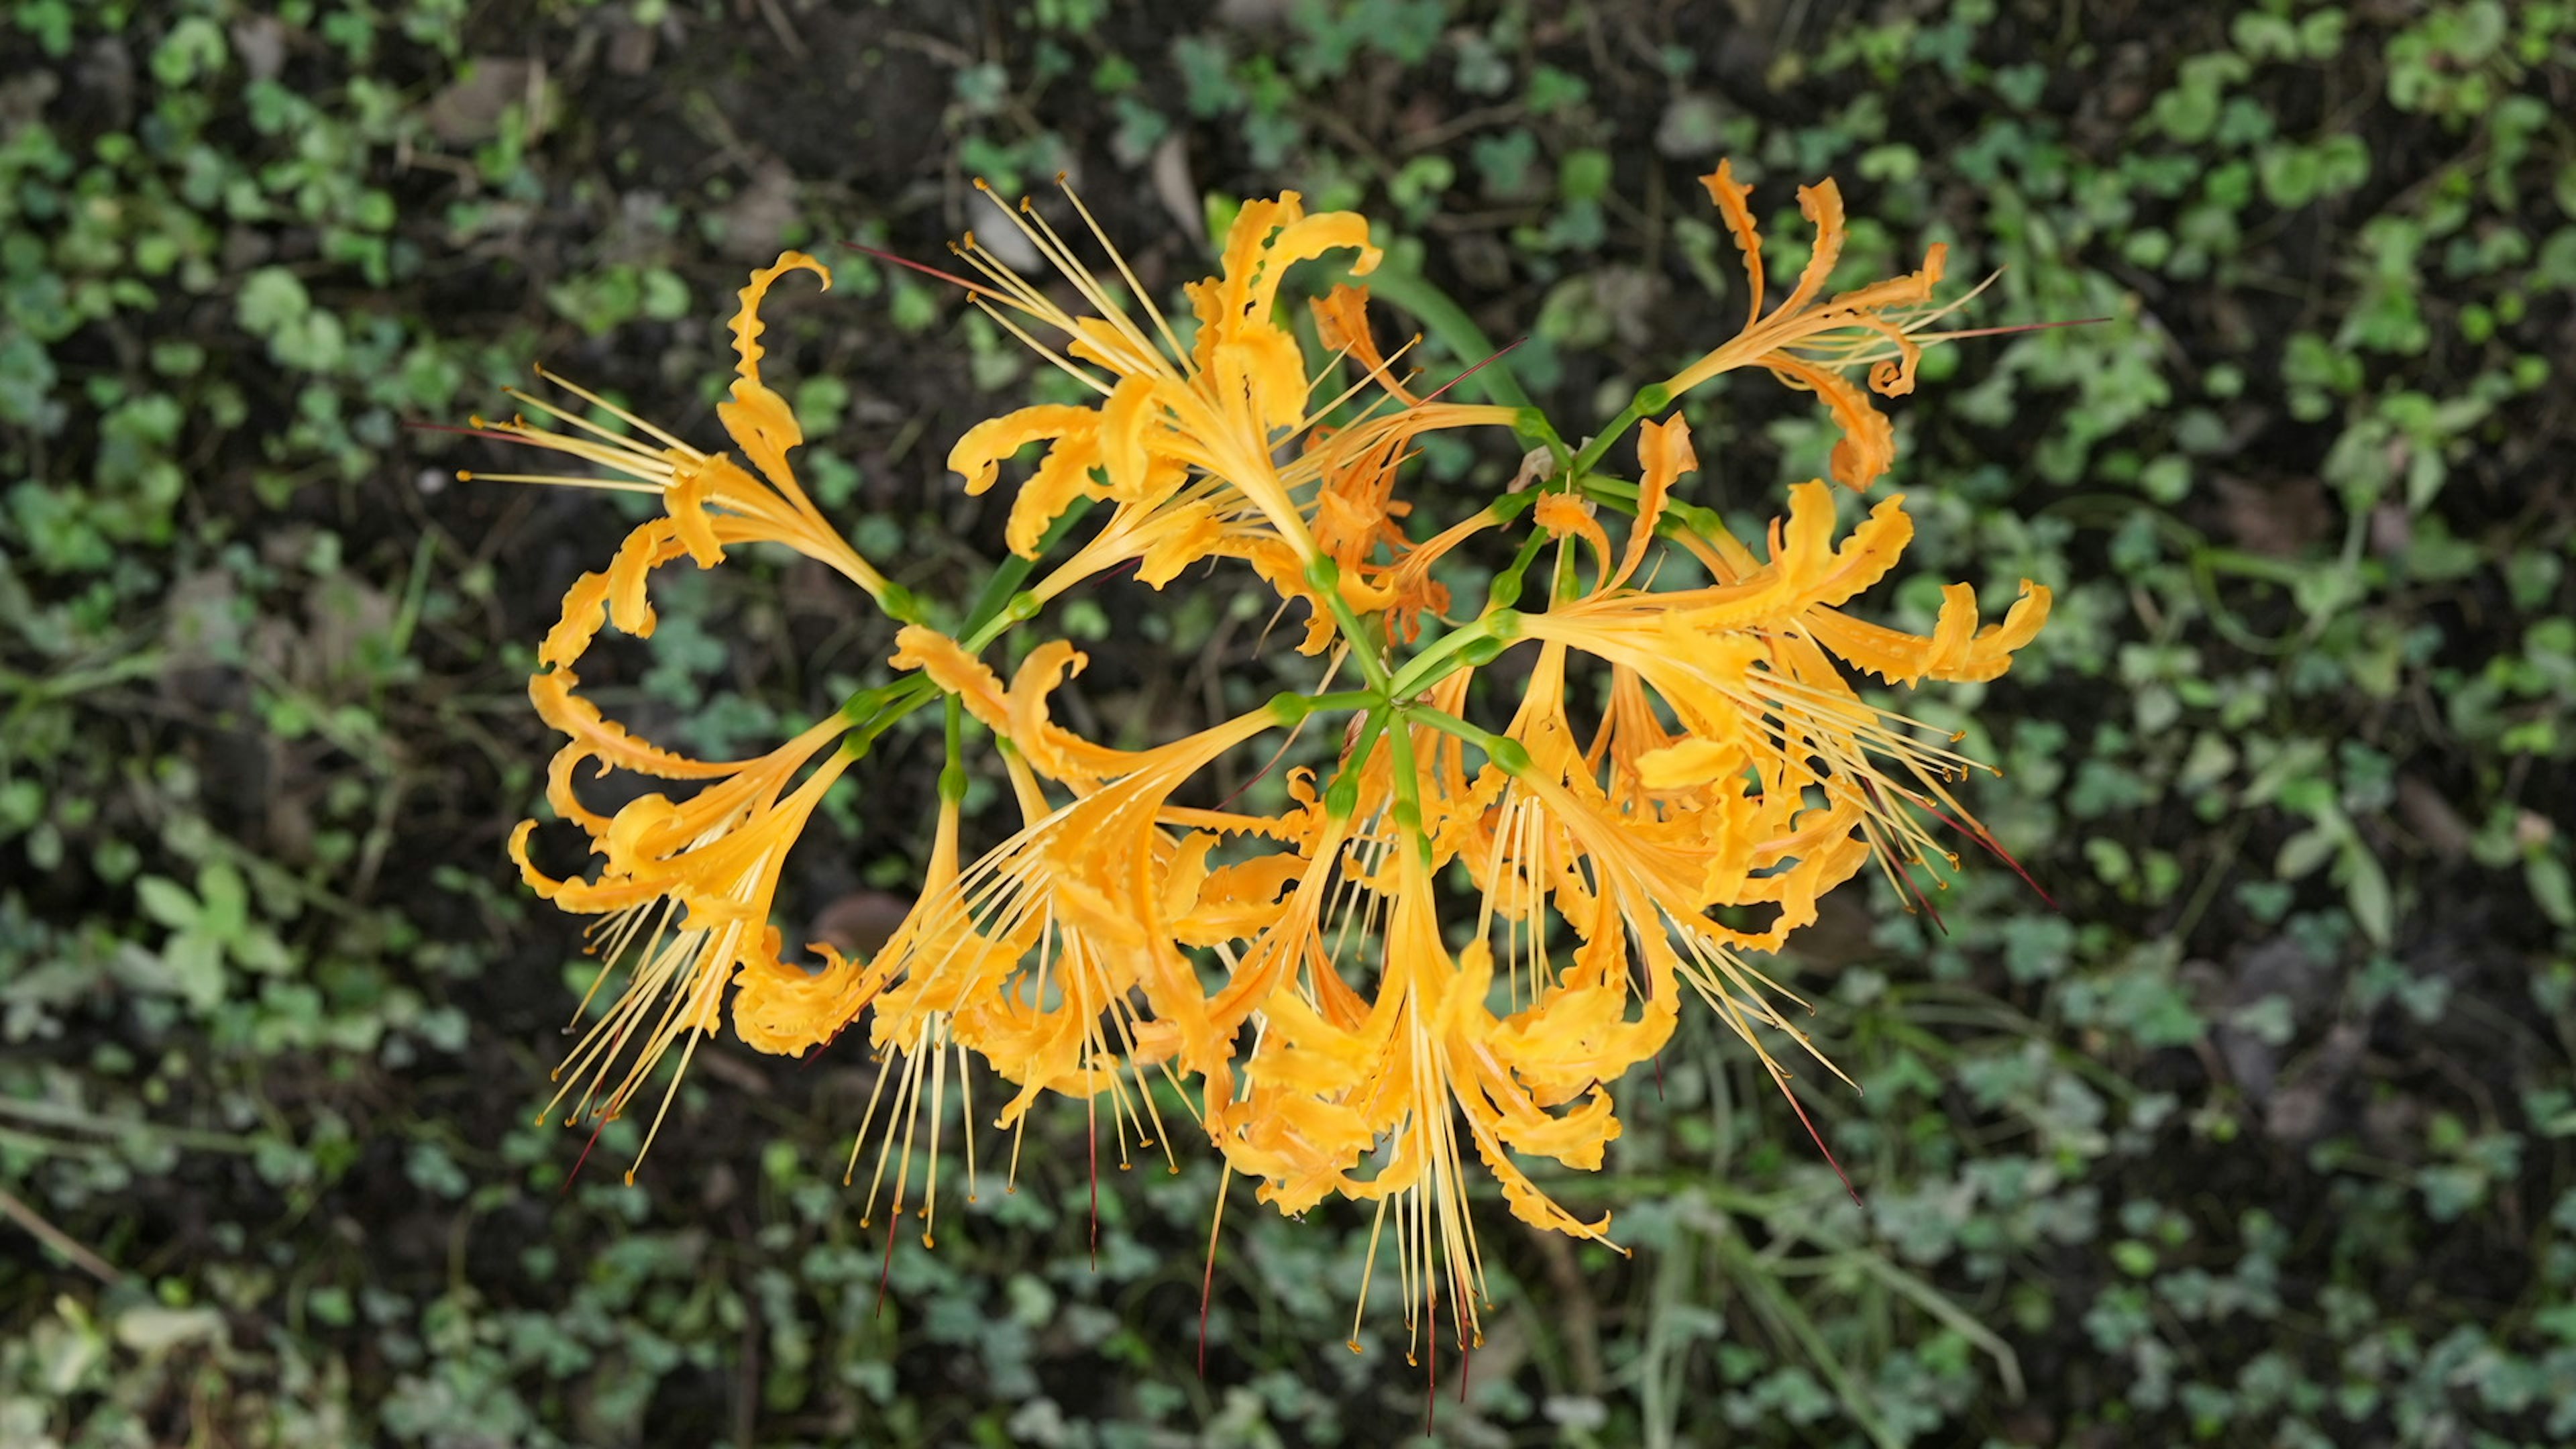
[2258, 1136]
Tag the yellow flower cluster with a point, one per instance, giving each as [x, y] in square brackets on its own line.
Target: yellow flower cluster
[1455, 939]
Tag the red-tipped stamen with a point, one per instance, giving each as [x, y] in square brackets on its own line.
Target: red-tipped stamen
[575, 1174]
[885, 1275]
[463, 432]
[1207, 1282]
[1431, 1352]
[1995, 848]
[1781, 1080]
[1267, 766]
[927, 270]
[1903, 871]
[1471, 372]
[1922, 902]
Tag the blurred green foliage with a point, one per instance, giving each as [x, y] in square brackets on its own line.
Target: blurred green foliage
[2258, 1134]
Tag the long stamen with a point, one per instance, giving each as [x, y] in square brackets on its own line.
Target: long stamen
[1207, 1283]
[622, 442]
[1145, 356]
[1052, 246]
[925, 269]
[634, 463]
[604, 405]
[557, 480]
[1009, 288]
[937, 1052]
[1062, 363]
[1171, 340]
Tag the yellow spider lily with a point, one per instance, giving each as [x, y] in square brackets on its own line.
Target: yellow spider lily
[1747, 666]
[1364, 1096]
[685, 887]
[1187, 440]
[713, 500]
[1809, 339]
[1085, 886]
[1289, 974]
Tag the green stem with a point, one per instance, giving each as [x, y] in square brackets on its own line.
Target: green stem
[1453, 651]
[1508, 755]
[1609, 492]
[1346, 699]
[34, 687]
[1342, 796]
[952, 774]
[1019, 608]
[1326, 578]
[1408, 785]
[1505, 590]
[1650, 399]
[874, 710]
[1011, 574]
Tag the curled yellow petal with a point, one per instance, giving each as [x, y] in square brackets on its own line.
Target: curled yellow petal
[1867, 448]
[1958, 651]
[1182, 537]
[584, 611]
[605, 739]
[1823, 205]
[651, 545]
[1663, 455]
[747, 326]
[1124, 418]
[785, 1010]
[918, 646]
[979, 454]
[1733, 200]
[1689, 762]
[1566, 516]
[1052, 750]
[1061, 477]
[1342, 325]
[1305, 239]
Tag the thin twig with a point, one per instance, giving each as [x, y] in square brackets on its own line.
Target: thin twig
[55, 1238]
